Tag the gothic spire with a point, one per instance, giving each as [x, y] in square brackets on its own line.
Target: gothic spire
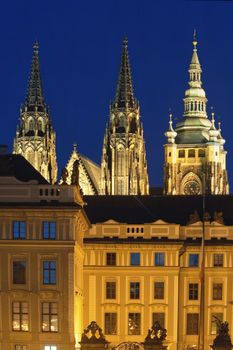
[124, 94]
[34, 97]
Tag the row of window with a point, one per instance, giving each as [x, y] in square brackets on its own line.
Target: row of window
[49, 316]
[48, 230]
[134, 322]
[191, 153]
[159, 259]
[49, 272]
[134, 290]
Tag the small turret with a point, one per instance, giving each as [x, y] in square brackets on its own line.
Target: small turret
[170, 134]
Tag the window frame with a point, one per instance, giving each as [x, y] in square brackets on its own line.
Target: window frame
[112, 323]
[135, 259]
[193, 291]
[50, 271]
[134, 290]
[21, 315]
[110, 261]
[133, 316]
[48, 233]
[110, 291]
[159, 290]
[159, 259]
[154, 319]
[192, 329]
[15, 272]
[49, 314]
[218, 260]
[19, 232]
[194, 263]
[217, 291]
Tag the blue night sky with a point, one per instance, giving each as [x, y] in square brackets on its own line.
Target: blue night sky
[80, 48]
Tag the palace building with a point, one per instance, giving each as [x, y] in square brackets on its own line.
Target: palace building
[96, 245]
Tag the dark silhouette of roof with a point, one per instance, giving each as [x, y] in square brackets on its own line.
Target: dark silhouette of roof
[147, 209]
[17, 166]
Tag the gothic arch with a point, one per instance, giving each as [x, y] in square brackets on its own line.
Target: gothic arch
[191, 179]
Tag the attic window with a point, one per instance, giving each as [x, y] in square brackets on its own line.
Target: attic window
[191, 153]
[181, 153]
[201, 153]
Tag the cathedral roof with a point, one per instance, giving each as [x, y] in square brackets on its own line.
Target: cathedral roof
[148, 209]
[14, 165]
[124, 94]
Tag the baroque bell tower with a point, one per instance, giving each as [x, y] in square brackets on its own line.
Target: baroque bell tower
[35, 138]
[124, 165]
[195, 158]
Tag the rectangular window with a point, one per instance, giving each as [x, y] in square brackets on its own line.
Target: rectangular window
[135, 259]
[49, 272]
[134, 323]
[214, 323]
[159, 290]
[49, 317]
[217, 291]
[134, 290]
[111, 259]
[20, 347]
[19, 230]
[110, 290]
[20, 316]
[218, 260]
[50, 347]
[192, 324]
[110, 321]
[159, 317]
[19, 272]
[49, 230]
[159, 259]
[193, 291]
[193, 260]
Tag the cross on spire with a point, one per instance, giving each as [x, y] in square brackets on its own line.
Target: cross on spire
[124, 94]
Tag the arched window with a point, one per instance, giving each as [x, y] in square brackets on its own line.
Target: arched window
[133, 125]
[40, 125]
[191, 153]
[201, 153]
[181, 153]
[31, 124]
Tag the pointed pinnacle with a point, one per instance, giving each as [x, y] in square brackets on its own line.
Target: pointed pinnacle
[194, 38]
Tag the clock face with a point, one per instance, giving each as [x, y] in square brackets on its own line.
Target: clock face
[192, 188]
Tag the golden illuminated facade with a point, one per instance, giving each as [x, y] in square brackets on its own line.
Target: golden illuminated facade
[195, 159]
[123, 165]
[41, 259]
[146, 267]
[35, 138]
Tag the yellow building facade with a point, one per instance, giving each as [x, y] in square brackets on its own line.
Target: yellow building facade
[149, 269]
[41, 259]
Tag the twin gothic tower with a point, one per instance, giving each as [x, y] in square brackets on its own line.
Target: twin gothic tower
[195, 159]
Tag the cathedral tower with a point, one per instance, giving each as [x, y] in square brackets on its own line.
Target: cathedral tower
[124, 166]
[195, 159]
[35, 137]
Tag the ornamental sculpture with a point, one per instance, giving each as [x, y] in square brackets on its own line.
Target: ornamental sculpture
[155, 335]
[93, 334]
[223, 339]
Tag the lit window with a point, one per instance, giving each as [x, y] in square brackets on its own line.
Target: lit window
[158, 317]
[111, 259]
[217, 291]
[134, 259]
[110, 290]
[20, 347]
[134, 290]
[20, 316]
[134, 323]
[49, 230]
[159, 259]
[193, 260]
[193, 291]
[214, 323]
[218, 260]
[19, 272]
[19, 229]
[50, 347]
[49, 272]
[159, 290]
[49, 317]
[110, 320]
[192, 324]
